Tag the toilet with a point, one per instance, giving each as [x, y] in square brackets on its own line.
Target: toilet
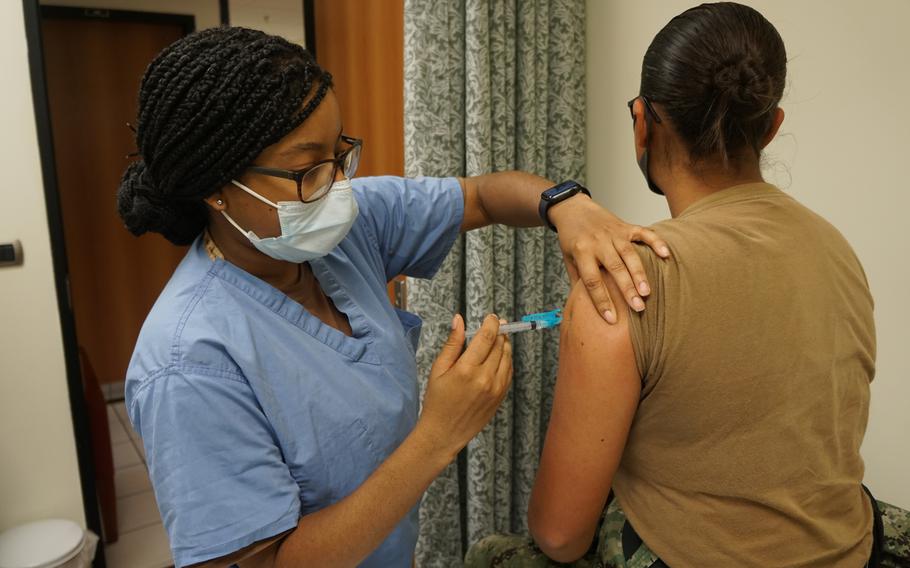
[51, 543]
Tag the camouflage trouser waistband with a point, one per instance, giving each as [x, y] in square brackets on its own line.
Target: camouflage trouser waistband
[512, 551]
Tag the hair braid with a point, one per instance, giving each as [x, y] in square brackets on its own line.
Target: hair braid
[208, 105]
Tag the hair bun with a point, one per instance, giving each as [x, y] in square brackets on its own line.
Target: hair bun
[143, 209]
[134, 199]
[745, 85]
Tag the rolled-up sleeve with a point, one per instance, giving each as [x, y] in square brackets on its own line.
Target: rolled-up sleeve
[415, 221]
[218, 474]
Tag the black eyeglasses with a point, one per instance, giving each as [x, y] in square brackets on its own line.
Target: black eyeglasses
[649, 108]
[314, 182]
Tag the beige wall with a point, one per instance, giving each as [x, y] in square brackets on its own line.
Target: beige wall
[39, 476]
[843, 152]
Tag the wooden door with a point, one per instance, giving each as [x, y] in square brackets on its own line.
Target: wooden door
[362, 45]
[93, 67]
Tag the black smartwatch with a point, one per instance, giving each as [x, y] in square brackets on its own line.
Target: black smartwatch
[558, 194]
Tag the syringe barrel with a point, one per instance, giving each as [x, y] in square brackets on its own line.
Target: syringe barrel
[508, 328]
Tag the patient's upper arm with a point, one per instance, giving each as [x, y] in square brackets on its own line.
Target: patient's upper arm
[597, 392]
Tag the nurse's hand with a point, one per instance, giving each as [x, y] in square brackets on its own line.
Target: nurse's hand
[590, 238]
[464, 391]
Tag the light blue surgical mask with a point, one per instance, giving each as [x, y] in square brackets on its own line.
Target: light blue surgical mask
[308, 230]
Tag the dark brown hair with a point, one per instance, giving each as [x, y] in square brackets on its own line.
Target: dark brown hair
[718, 72]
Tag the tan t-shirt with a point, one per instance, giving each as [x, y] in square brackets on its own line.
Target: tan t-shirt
[756, 352]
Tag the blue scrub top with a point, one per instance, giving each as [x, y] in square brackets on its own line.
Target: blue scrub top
[254, 412]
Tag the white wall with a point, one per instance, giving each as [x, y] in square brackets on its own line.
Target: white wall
[39, 475]
[843, 152]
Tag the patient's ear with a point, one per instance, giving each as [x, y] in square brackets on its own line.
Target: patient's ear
[775, 126]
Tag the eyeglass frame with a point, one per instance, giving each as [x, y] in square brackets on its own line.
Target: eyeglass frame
[298, 175]
[649, 108]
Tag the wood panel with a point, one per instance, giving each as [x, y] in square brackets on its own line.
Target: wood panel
[93, 70]
[362, 44]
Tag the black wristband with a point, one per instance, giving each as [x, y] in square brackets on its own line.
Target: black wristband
[558, 194]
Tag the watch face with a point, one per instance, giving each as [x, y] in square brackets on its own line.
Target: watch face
[556, 192]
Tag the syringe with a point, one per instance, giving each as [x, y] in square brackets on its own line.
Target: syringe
[530, 322]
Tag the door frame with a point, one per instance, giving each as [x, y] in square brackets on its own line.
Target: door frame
[187, 22]
[33, 13]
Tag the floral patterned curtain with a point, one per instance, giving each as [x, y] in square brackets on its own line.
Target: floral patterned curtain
[493, 85]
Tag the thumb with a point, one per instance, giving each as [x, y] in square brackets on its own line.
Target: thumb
[451, 350]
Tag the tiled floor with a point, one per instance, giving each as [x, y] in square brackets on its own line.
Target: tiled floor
[143, 542]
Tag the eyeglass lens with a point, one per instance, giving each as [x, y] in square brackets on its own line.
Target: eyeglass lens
[318, 181]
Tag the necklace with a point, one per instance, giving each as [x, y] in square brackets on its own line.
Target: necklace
[210, 247]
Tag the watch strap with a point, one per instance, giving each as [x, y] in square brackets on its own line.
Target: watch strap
[557, 194]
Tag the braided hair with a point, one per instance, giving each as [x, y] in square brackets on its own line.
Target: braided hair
[208, 105]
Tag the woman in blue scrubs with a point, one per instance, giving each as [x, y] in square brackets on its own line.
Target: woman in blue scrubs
[273, 385]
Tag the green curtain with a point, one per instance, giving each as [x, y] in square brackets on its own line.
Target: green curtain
[493, 85]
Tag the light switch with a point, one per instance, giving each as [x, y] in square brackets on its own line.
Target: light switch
[11, 253]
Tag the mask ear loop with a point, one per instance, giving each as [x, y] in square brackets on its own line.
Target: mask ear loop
[254, 194]
[236, 226]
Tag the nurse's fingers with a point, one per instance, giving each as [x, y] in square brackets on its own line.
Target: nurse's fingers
[492, 362]
[479, 348]
[491, 365]
[504, 371]
[450, 351]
